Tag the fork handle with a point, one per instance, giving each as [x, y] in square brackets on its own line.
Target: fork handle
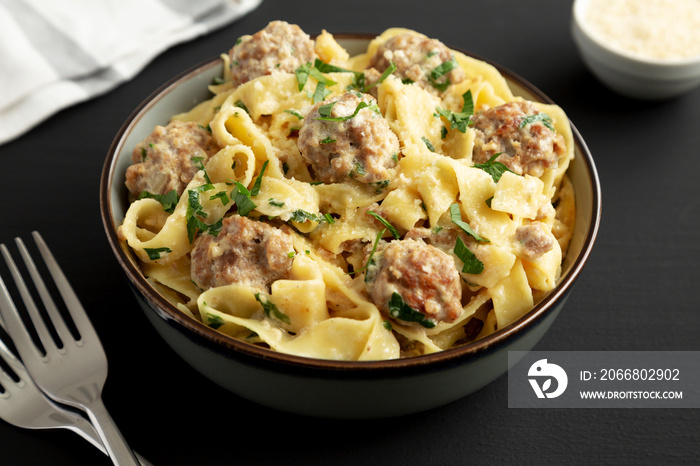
[114, 442]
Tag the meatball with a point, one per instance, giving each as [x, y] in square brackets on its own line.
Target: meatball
[362, 147]
[527, 145]
[424, 276]
[279, 47]
[245, 251]
[534, 240]
[169, 158]
[420, 60]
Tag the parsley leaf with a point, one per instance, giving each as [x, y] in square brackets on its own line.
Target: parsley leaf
[270, 309]
[302, 75]
[456, 217]
[471, 263]
[398, 309]
[302, 216]
[387, 72]
[295, 113]
[440, 71]
[168, 201]
[543, 117]
[493, 168]
[385, 222]
[370, 258]
[214, 321]
[258, 181]
[460, 120]
[241, 196]
[157, 253]
[325, 111]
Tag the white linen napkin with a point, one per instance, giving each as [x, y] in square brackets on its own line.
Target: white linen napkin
[54, 54]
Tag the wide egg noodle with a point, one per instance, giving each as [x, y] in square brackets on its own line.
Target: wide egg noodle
[357, 335]
[322, 307]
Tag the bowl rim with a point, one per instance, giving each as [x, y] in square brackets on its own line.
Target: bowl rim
[477, 348]
[578, 17]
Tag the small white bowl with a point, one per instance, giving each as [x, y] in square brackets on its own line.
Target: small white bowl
[630, 74]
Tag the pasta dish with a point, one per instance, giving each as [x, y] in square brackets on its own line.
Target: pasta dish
[389, 204]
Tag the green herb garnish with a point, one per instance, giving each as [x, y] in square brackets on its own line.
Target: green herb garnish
[543, 117]
[493, 168]
[168, 201]
[325, 111]
[385, 222]
[460, 120]
[440, 71]
[157, 253]
[270, 309]
[241, 196]
[398, 309]
[456, 217]
[471, 263]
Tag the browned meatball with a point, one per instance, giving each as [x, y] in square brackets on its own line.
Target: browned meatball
[279, 47]
[527, 145]
[420, 60]
[245, 251]
[169, 158]
[362, 148]
[424, 276]
[534, 240]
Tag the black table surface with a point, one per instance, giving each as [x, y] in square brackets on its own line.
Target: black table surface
[639, 290]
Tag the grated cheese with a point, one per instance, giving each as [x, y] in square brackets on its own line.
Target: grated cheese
[649, 28]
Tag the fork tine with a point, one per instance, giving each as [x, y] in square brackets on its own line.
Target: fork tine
[39, 325]
[75, 308]
[13, 321]
[49, 304]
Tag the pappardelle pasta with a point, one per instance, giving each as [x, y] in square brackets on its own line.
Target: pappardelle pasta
[390, 204]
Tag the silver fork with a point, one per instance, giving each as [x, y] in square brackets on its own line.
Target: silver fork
[74, 373]
[24, 405]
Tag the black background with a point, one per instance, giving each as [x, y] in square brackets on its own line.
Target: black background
[639, 290]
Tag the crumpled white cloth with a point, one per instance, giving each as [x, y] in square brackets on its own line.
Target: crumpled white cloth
[54, 54]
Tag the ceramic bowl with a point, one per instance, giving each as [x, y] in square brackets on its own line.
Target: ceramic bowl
[331, 388]
[630, 74]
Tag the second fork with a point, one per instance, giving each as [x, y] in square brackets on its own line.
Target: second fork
[75, 372]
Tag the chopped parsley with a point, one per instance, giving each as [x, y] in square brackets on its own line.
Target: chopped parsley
[295, 113]
[387, 72]
[302, 216]
[157, 253]
[242, 198]
[460, 120]
[239, 103]
[214, 321]
[440, 71]
[471, 263]
[258, 181]
[357, 168]
[428, 144]
[325, 111]
[370, 258]
[270, 309]
[194, 211]
[542, 117]
[386, 223]
[398, 309]
[276, 203]
[328, 140]
[168, 201]
[456, 217]
[493, 168]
